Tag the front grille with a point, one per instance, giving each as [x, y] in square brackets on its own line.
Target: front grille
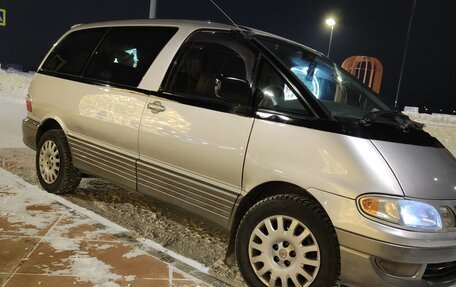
[440, 270]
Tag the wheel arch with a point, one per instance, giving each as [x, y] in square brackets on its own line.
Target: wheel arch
[255, 195]
[53, 151]
[47, 124]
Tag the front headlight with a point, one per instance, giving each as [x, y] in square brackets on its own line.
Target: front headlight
[411, 214]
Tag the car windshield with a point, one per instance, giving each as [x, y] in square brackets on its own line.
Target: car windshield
[336, 89]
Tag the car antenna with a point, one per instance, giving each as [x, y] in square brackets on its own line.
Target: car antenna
[228, 17]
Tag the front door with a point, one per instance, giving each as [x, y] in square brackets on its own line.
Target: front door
[192, 144]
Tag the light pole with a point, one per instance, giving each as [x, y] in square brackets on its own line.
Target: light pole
[330, 22]
[404, 56]
[153, 9]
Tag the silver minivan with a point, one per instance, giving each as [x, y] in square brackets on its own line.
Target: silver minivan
[317, 180]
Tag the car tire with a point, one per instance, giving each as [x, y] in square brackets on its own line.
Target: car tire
[287, 238]
[54, 166]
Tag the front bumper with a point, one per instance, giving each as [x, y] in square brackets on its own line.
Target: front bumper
[360, 257]
[365, 244]
[29, 132]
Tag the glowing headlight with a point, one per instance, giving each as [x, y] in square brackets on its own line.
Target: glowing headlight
[408, 213]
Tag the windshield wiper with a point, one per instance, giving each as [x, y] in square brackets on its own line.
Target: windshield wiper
[395, 118]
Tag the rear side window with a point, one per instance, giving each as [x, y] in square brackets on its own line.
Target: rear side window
[72, 53]
[126, 54]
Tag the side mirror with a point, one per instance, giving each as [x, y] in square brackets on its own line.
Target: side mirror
[233, 90]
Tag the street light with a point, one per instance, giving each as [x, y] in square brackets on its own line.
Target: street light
[330, 22]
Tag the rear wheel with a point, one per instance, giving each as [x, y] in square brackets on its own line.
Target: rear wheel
[54, 164]
[287, 240]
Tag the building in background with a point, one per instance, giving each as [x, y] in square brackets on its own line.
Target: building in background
[368, 70]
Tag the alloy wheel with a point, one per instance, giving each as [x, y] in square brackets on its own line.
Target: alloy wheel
[49, 162]
[284, 252]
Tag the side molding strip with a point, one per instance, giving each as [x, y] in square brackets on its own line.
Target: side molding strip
[211, 202]
[97, 160]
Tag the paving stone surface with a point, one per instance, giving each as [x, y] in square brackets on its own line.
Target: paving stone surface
[45, 243]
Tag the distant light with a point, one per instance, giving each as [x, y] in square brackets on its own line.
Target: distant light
[330, 22]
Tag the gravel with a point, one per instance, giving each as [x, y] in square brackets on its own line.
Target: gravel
[172, 228]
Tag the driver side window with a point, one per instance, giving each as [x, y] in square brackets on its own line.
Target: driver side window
[208, 56]
[273, 93]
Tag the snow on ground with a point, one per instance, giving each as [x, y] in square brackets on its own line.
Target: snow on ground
[13, 90]
[71, 238]
[11, 115]
[434, 119]
[14, 85]
[441, 126]
[17, 198]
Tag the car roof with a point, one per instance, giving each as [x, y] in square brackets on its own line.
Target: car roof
[188, 24]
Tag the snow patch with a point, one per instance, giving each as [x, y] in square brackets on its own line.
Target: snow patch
[129, 278]
[14, 206]
[89, 269]
[16, 192]
[134, 253]
[104, 246]
[14, 85]
[63, 244]
[440, 126]
[435, 119]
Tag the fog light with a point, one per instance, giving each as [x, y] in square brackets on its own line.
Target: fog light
[447, 217]
[398, 269]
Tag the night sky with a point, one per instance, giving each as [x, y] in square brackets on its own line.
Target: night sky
[371, 28]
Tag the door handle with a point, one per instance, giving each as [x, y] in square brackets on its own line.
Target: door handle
[156, 107]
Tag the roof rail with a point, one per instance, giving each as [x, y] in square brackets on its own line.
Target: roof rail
[76, 25]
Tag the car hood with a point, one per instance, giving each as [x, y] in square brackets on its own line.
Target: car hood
[423, 171]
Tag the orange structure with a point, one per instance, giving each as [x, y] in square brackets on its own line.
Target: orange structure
[369, 70]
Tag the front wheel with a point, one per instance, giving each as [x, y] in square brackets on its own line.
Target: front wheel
[54, 165]
[287, 240]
